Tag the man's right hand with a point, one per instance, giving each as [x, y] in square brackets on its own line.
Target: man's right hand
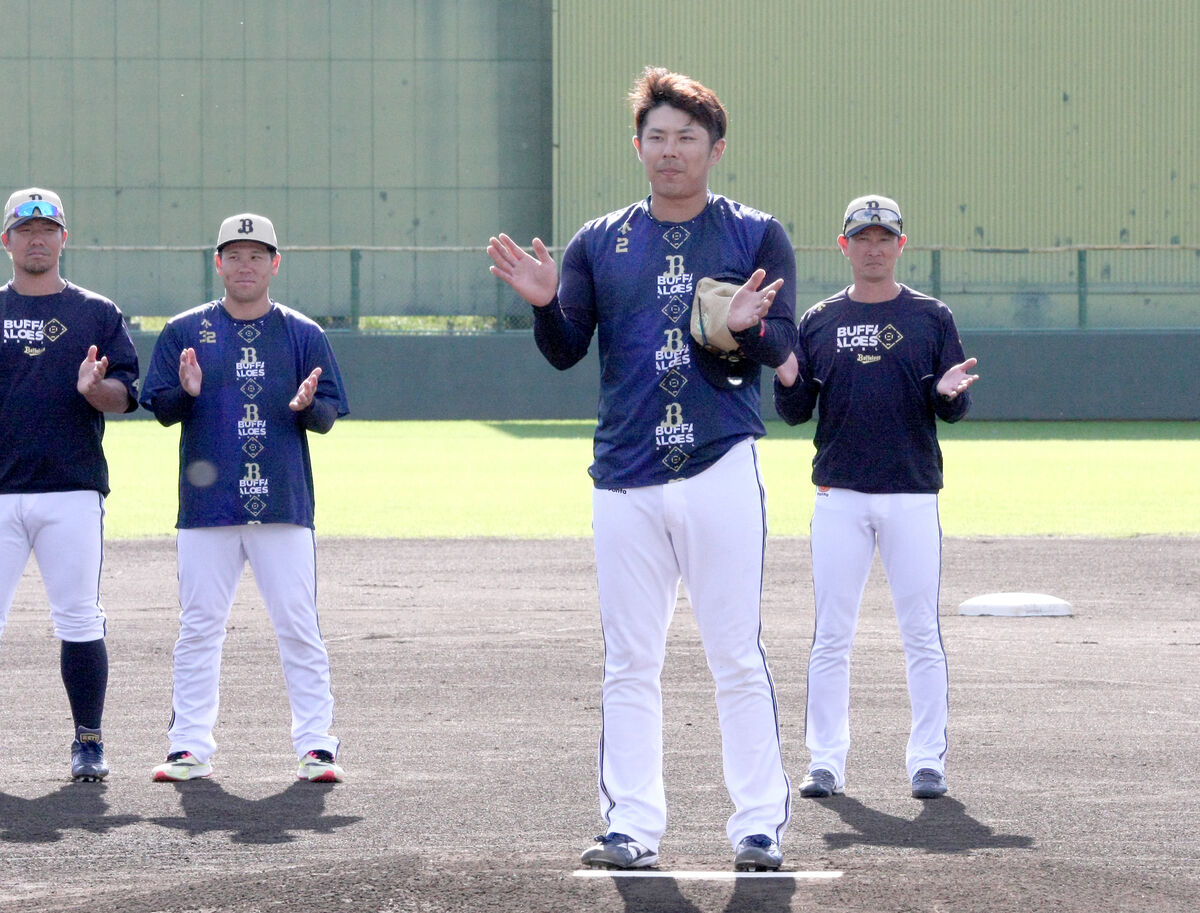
[534, 279]
[190, 375]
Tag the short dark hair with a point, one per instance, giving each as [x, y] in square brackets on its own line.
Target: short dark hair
[659, 86]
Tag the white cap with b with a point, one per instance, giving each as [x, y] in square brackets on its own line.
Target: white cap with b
[873, 209]
[247, 227]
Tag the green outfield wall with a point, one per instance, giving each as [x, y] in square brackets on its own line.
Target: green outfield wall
[1044, 155]
[368, 123]
[1013, 125]
[389, 138]
[1032, 375]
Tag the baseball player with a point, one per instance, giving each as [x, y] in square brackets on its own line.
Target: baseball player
[248, 379]
[882, 362]
[66, 359]
[678, 492]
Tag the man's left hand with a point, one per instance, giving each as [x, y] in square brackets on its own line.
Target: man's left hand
[304, 395]
[957, 379]
[91, 372]
[750, 304]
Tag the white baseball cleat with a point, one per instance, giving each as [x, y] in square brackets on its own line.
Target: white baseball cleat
[319, 766]
[180, 766]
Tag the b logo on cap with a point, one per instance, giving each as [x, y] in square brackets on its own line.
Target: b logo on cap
[247, 227]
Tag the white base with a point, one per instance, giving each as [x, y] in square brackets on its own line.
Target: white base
[1015, 604]
[704, 875]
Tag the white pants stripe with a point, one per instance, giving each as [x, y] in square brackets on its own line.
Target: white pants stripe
[65, 532]
[211, 561]
[846, 527]
[709, 531]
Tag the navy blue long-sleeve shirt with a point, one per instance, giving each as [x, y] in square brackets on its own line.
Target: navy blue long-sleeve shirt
[243, 453]
[629, 279]
[871, 372]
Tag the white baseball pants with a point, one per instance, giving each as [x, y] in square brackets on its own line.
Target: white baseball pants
[846, 527]
[65, 532]
[211, 561]
[709, 531]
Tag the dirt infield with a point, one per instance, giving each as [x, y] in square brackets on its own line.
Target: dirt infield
[467, 679]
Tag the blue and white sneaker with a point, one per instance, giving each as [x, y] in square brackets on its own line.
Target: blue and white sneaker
[618, 851]
[87, 756]
[758, 853]
[820, 784]
[928, 783]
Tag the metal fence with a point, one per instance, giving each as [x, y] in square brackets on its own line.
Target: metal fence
[449, 290]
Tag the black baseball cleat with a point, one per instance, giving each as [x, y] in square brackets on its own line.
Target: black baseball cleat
[819, 784]
[87, 756]
[927, 783]
[618, 851]
[757, 853]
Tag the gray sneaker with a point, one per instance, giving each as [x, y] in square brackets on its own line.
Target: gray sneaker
[927, 783]
[87, 756]
[820, 784]
[618, 851]
[758, 853]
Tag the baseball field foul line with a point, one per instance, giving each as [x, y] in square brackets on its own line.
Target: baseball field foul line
[704, 876]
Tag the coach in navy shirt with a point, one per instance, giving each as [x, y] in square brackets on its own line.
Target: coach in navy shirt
[883, 362]
[66, 359]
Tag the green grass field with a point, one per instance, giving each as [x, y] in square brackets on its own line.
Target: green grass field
[529, 479]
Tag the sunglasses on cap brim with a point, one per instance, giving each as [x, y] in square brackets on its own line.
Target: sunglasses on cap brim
[33, 209]
[860, 216]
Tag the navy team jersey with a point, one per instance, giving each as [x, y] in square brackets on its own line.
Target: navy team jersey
[51, 439]
[630, 279]
[243, 454]
[874, 369]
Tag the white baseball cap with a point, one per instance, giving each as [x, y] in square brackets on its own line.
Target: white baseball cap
[34, 203]
[872, 209]
[247, 226]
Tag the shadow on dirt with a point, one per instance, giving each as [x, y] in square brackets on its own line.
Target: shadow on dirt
[75, 806]
[275, 819]
[943, 826]
[642, 895]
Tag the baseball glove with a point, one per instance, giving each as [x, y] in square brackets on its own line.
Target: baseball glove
[717, 353]
[710, 312]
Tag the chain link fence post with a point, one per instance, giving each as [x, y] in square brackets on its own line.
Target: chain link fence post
[355, 286]
[1082, 286]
